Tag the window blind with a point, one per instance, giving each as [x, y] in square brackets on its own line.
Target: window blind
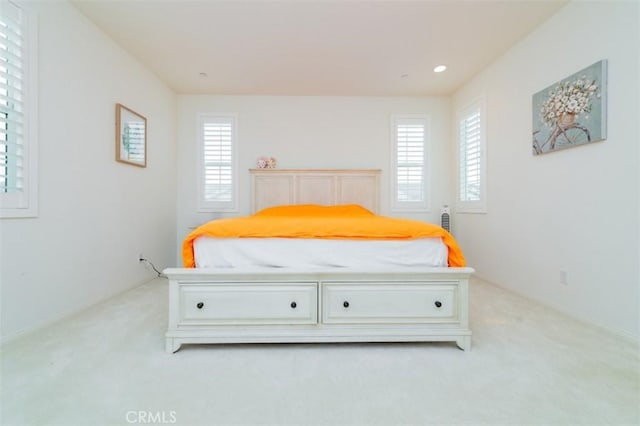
[12, 116]
[218, 139]
[470, 162]
[409, 141]
[410, 160]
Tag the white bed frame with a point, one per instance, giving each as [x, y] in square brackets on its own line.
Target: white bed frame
[265, 305]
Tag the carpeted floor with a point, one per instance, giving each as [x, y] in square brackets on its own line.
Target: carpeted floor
[528, 365]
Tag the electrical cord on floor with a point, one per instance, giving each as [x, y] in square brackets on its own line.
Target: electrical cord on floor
[148, 262]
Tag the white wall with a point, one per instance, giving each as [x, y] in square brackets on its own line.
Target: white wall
[310, 132]
[576, 209]
[95, 215]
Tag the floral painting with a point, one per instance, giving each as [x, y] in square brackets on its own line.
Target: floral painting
[571, 112]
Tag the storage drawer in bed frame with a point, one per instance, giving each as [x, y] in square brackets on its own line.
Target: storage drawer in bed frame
[389, 303]
[265, 306]
[248, 303]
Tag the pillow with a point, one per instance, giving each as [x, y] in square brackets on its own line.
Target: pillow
[348, 210]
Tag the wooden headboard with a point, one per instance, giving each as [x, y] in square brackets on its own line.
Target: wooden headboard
[273, 187]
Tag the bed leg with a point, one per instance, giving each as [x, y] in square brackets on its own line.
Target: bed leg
[172, 346]
[464, 343]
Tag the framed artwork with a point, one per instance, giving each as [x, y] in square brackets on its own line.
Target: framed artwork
[131, 137]
[571, 112]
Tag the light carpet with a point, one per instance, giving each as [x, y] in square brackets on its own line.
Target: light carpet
[529, 365]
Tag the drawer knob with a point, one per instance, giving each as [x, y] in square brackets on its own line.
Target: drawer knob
[294, 305]
[345, 304]
[200, 305]
[438, 304]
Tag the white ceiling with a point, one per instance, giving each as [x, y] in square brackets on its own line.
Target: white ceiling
[316, 47]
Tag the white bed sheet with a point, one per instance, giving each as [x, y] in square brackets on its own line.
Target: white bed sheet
[293, 253]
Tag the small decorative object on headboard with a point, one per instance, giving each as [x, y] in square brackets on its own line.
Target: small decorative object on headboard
[266, 162]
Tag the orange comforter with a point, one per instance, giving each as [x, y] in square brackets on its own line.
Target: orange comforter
[312, 221]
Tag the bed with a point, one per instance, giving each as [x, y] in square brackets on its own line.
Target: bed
[260, 279]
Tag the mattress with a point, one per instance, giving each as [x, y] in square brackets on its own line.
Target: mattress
[290, 252]
[313, 235]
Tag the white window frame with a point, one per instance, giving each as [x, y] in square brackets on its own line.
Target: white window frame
[217, 206]
[463, 205]
[24, 203]
[423, 206]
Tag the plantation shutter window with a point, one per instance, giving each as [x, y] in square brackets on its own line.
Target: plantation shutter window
[218, 182]
[471, 159]
[17, 112]
[409, 139]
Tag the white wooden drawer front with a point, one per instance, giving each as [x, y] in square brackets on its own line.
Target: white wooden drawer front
[389, 303]
[243, 303]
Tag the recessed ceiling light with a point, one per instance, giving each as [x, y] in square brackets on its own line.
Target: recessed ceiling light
[440, 68]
